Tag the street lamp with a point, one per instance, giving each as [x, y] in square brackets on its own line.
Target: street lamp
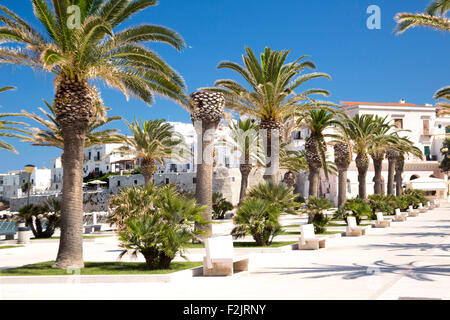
[29, 168]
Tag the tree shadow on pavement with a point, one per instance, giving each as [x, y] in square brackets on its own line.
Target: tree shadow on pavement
[421, 234]
[355, 271]
[408, 246]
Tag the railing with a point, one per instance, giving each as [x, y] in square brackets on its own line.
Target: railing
[7, 226]
[95, 218]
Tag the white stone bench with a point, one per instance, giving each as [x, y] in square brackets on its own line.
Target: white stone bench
[422, 209]
[412, 212]
[381, 222]
[436, 203]
[352, 228]
[400, 216]
[220, 259]
[92, 228]
[9, 235]
[308, 239]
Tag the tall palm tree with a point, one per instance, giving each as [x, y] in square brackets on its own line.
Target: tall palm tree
[50, 133]
[206, 110]
[7, 128]
[434, 17]
[245, 140]
[272, 96]
[363, 131]
[404, 147]
[101, 47]
[342, 146]
[317, 121]
[152, 142]
[377, 150]
[293, 161]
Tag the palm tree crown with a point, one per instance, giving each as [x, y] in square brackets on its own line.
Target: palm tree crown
[52, 136]
[152, 142]
[93, 50]
[434, 17]
[7, 128]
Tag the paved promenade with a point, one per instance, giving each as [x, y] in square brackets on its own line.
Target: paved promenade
[409, 260]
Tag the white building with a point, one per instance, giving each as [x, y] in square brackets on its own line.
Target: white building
[12, 182]
[56, 174]
[100, 159]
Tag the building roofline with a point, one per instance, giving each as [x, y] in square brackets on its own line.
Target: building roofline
[354, 103]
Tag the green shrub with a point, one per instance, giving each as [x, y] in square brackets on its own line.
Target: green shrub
[314, 207]
[359, 208]
[220, 206]
[258, 217]
[382, 203]
[42, 219]
[280, 195]
[158, 231]
[418, 195]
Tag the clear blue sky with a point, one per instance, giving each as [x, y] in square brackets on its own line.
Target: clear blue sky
[365, 65]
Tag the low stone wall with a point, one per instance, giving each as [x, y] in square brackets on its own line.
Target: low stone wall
[93, 201]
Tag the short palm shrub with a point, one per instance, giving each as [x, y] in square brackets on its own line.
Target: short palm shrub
[314, 207]
[382, 203]
[415, 197]
[259, 217]
[280, 195]
[220, 206]
[42, 219]
[131, 202]
[359, 208]
[159, 228]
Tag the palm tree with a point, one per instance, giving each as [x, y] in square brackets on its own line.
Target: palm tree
[381, 144]
[434, 17]
[152, 142]
[100, 48]
[293, 161]
[51, 136]
[404, 147]
[272, 96]
[6, 130]
[363, 131]
[245, 140]
[392, 155]
[317, 121]
[206, 112]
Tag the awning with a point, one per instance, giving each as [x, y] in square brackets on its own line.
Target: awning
[427, 184]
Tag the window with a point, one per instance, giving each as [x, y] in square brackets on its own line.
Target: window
[167, 181]
[426, 127]
[297, 135]
[97, 170]
[398, 123]
[194, 180]
[135, 182]
[426, 151]
[118, 183]
[107, 167]
[89, 156]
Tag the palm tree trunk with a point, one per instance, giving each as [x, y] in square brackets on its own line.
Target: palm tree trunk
[362, 163]
[398, 176]
[272, 150]
[314, 175]
[378, 167]
[70, 253]
[391, 167]
[342, 185]
[245, 172]
[148, 169]
[203, 190]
